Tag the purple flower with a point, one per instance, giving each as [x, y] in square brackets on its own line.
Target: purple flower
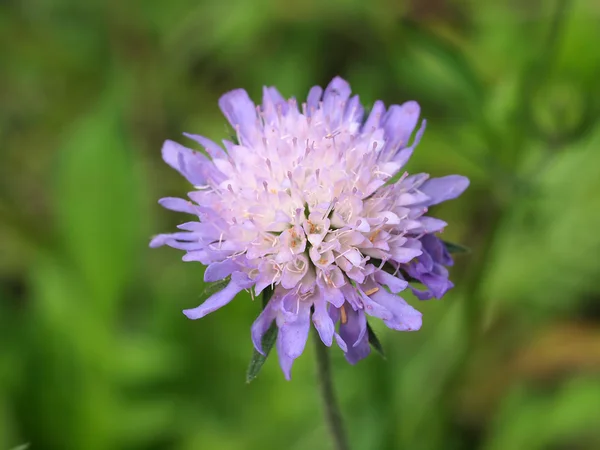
[302, 203]
[429, 268]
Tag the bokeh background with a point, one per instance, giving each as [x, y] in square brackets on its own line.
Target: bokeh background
[94, 351]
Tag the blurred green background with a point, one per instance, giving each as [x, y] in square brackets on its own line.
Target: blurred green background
[95, 353]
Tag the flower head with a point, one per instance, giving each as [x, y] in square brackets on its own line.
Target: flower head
[304, 202]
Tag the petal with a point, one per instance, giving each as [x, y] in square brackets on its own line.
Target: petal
[160, 240]
[354, 111]
[286, 363]
[340, 342]
[194, 166]
[204, 256]
[261, 325]
[405, 317]
[242, 280]
[419, 134]
[334, 296]
[240, 111]
[353, 332]
[399, 123]
[214, 302]
[294, 271]
[213, 149]
[402, 157]
[438, 285]
[421, 295]
[314, 97]
[178, 205]
[374, 309]
[405, 254]
[337, 91]
[291, 339]
[445, 188]
[323, 322]
[219, 270]
[394, 283]
[374, 119]
[335, 98]
[432, 225]
[272, 100]
[238, 108]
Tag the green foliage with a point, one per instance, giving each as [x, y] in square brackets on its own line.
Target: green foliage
[374, 341]
[96, 354]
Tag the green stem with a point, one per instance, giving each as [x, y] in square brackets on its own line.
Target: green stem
[332, 409]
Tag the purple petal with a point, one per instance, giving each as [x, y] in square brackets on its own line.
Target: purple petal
[194, 166]
[354, 110]
[219, 270]
[213, 149]
[323, 322]
[432, 225]
[419, 134]
[261, 325]
[240, 111]
[204, 256]
[272, 100]
[314, 97]
[394, 283]
[353, 332]
[242, 280]
[405, 254]
[338, 90]
[421, 295]
[374, 309]
[438, 285]
[405, 317]
[444, 188]
[399, 123]
[402, 157]
[214, 302]
[340, 342]
[291, 339]
[375, 117]
[335, 97]
[334, 296]
[160, 240]
[178, 205]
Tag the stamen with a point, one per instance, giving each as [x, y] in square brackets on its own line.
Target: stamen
[371, 291]
[343, 315]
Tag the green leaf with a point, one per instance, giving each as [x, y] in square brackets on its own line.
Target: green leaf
[374, 341]
[212, 288]
[97, 198]
[456, 248]
[268, 340]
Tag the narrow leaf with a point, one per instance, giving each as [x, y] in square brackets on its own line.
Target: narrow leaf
[258, 360]
[456, 248]
[268, 340]
[212, 288]
[374, 341]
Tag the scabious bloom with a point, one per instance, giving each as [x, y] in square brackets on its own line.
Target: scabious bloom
[305, 202]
